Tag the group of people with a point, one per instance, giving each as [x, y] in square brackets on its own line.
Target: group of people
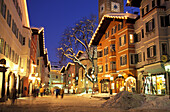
[60, 92]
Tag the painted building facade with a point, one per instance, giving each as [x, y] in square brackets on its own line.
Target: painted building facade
[153, 45]
[15, 36]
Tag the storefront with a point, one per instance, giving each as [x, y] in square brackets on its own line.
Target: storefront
[105, 85]
[154, 84]
[2, 83]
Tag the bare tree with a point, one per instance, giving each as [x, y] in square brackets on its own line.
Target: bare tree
[77, 38]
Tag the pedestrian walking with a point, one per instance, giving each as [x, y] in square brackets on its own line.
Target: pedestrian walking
[37, 91]
[62, 93]
[13, 95]
[41, 91]
[57, 93]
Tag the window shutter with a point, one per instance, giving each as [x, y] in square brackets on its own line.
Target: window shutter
[148, 52]
[153, 24]
[120, 41]
[135, 37]
[115, 29]
[147, 27]
[154, 50]
[125, 59]
[120, 60]
[167, 21]
[131, 59]
[142, 33]
[136, 58]
[124, 39]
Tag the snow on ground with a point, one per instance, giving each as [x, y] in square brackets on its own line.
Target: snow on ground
[86, 103]
[133, 102]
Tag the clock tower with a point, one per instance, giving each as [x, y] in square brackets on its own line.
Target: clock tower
[110, 6]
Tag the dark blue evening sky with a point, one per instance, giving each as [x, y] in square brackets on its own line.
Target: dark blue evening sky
[56, 15]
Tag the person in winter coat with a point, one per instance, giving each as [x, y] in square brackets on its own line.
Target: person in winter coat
[57, 92]
[13, 95]
[62, 93]
[42, 91]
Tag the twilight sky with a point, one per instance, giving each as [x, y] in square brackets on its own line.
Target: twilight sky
[56, 15]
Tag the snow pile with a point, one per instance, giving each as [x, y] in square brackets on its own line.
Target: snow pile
[156, 102]
[125, 100]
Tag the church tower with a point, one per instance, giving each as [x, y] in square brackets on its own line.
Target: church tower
[109, 6]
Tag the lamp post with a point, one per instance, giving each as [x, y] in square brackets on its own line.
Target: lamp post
[167, 69]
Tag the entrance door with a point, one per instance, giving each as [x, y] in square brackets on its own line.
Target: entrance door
[119, 85]
[105, 87]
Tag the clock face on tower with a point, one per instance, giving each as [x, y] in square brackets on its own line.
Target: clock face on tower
[115, 7]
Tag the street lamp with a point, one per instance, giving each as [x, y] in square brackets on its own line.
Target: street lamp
[167, 69]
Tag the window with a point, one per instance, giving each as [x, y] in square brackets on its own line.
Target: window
[137, 37]
[99, 53]
[56, 76]
[106, 51]
[112, 65]
[165, 21]
[142, 33]
[164, 48]
[106, 35]
[112, 47]
[1, 45]
[113, 31]
[143, 12]
[13, 55]
[120, 26]
[147, 8]
[123, 60]
[18, 8]
[153, 3]
[23, 41]
[29, 43]
[150, 25]
[158, 2]
[133, 58]
[10, 53]
[37, 61]
[106, 67]
[143, 56]
[122, 40]
[3, 10]
[131, 38]
[102, 8]
[7, 50]
[139, 57]
[9, 19]
[20, 38]
[100, 68]
[151, 51]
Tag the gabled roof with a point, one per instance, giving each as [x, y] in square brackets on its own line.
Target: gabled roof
[133, 3]
[79, 53]
[62, 69]
[104, 23]
[68, 65]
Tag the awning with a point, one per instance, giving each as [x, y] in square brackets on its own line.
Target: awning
[155, 68]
